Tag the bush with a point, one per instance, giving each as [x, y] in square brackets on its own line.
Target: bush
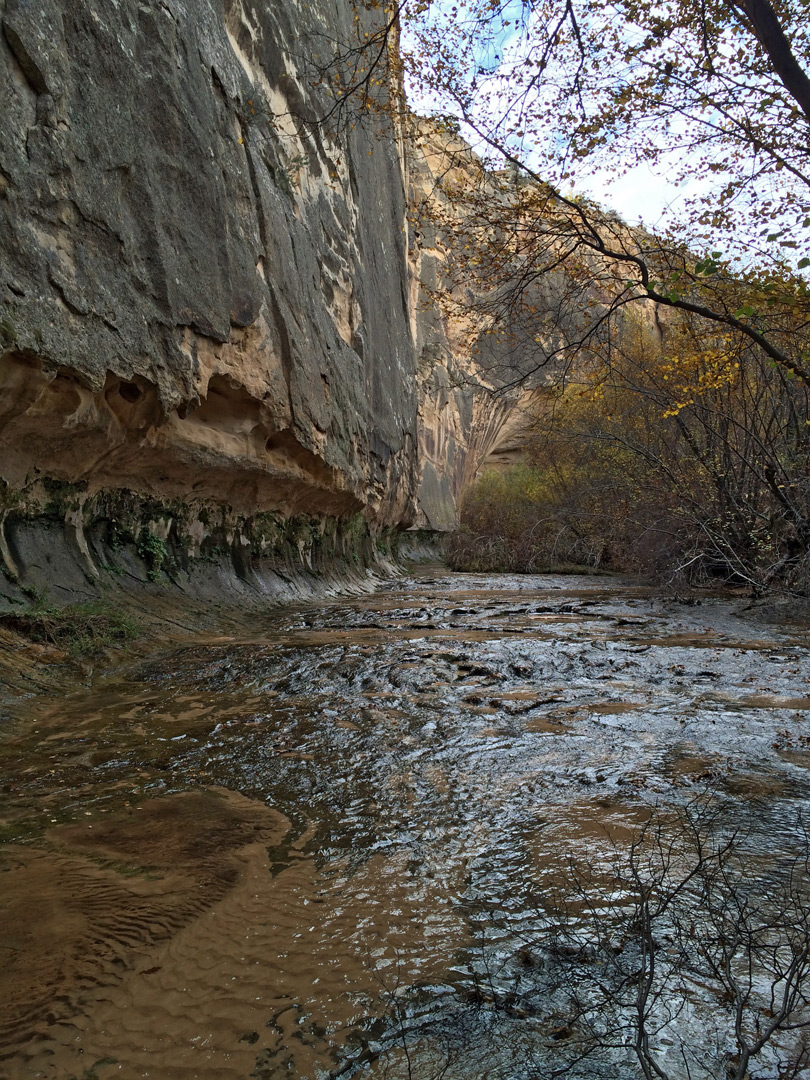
[684, 467]
[522, 520]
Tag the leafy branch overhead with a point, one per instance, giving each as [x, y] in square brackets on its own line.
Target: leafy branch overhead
[715, 96]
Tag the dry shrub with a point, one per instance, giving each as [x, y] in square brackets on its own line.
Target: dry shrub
[690, 465]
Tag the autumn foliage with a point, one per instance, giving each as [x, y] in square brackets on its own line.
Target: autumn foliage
[687, 459]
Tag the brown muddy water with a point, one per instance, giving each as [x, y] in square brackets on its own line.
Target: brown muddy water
[303, 851]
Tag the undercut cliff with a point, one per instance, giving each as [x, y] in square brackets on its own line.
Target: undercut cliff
[203, 298]
[209, 330]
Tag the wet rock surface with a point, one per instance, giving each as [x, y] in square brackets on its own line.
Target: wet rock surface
[400, 771]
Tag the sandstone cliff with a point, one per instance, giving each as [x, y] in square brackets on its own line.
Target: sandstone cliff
[211, 335]
[202, 298]
[469, 411]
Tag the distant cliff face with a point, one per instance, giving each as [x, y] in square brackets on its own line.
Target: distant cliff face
[468, 412]
[196, 297]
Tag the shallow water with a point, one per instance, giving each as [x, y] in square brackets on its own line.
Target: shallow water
[294, 853]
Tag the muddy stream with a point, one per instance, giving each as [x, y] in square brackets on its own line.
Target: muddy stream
[292, 853]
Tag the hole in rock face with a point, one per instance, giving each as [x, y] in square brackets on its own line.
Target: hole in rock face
[130, 392]
[282, 440]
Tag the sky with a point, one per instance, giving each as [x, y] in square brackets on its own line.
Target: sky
[638, 195]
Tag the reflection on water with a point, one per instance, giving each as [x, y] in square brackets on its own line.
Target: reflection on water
[294, 853]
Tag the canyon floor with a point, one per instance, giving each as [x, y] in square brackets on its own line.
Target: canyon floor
[319, 846]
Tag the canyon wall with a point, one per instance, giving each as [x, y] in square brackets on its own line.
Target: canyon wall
[211, 338]
[470, 406]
